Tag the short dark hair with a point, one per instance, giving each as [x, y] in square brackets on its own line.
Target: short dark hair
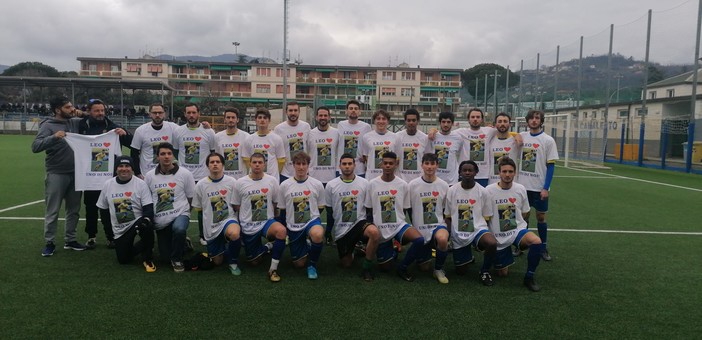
[231, 109]
[411, 112]
[502, 114]
[92, 102]
[390, 154]
[347, 155]
[58, 102]
[291, 104]
[379, 113]
[264, 112]
[214, 154]
[192, 104]
[533, 113]
[430, 157]
[258, 155]
[473, 163]
[447, 115]
[301, 157]
[506, 161]
[353, 101]
[322, 108]
[156, 104]
[165, 145]
[482, 114]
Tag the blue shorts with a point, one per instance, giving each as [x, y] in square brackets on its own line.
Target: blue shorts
[536, 201]
[252, 243]
[482, 181]
[504, 257]
[298, 240]
[218, 245]
[424, 254]
[386, 252]
[462, 256]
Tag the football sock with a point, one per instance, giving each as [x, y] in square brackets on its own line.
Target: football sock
[234, 248]
[411, 255]
[274, 265]
[315, 252]
[278, 247]
[543, 228]
[533, 258]
[440, 259]
[367, 264]
[199, 222]
[488, 261]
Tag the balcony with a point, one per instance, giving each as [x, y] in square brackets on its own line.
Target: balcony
[307, 80]
[194, 76]
[202, 93]
[89, 73]
[442, 83]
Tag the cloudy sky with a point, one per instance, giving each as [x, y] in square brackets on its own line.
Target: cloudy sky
[436, 33]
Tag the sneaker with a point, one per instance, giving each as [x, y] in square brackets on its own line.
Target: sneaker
[397, 246]
[440, 275]
[234, 269]
[203, 242]
[269, 247]
[360, 249]
[178, 266]
[188, 244]
[531, 284]
[74, 245]
[367, 275]
[111, 244]
[486, 279]
[405, 275]
[48, 249]
[91, 244]
[149, 266]
[273, 276]
[545, 255]
[516, 252]
[312, 273]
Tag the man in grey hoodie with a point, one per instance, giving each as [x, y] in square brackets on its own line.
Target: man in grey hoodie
[59, 182]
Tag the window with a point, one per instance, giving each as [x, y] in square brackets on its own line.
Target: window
[387, 91]
[264, 72]
[92, 67]
[387, 75]
[263, 88]
[623, 113]
[428, 77]
[154, 68]
[114, 68]
[326, 75]
[133, 67]
[305, 74]
[346, 74]
[594, 114]
[369, 76]
[670, 93]
[406, 92]
[178, 69]
[279, 73]
[407, 75]
[652, 95]
[279, 89]
[200, 71]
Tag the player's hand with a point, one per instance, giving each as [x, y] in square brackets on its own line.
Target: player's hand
[78, 113]
[432, 133]
[60, 134]
[206, 125]
[145, 223]
[544, 194]
[120, 132]
[140, 176]
[518, 138]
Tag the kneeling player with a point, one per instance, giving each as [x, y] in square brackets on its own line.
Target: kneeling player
[509, 206]
[220, 228]
[466, 206]
[302, 197]
[254, 198]
[427, 196]
[128, 201]
[346, 195]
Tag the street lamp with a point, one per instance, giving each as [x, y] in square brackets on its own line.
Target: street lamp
[236, 48]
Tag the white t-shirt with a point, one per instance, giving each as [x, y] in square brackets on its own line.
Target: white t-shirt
[256, 201]
[501, 148]
[410, 149]
[388, 201]
[94, 158]
[536, 152]
[294, 138]
[350, 135]
[146, 139]
[507, 208]
[427, 201]
[346, 199]
[475, 148]
[448, 149]
[301, 201]
[193, 146]
[170, 194]
[373, 146]
[270, 145]
[230, 146]
[213, 198]
[125, 202]
[467, 209]
[322, 150]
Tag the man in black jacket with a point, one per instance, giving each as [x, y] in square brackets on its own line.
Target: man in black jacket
[96, 123]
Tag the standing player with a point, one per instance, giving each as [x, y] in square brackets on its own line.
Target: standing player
[376, 143]
[539, 155]
[300, 199]
[254, 199]
[510, 206]
[346, 196]
[172, 189]
[129, 203]
[427, 196]
[447, 146]
[148, 136]
[388, 197]
[411, 145]
[266, 143]
[476, 143]
[350, 132]
[294, 133]
[220, 227]
[229, 142]
[502, 145]
[193, 143]
[323, 142]
[59, 183]
[467, 205]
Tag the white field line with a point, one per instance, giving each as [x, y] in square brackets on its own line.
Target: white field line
[550, 229]
[641, 180]
[595, 177]
[20, 206]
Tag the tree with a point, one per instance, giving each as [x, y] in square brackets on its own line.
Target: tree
[654, 74]
[31, 69]
[479, 71]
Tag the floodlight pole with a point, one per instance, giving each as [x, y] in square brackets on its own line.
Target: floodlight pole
[285, 57]
[693, 96]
